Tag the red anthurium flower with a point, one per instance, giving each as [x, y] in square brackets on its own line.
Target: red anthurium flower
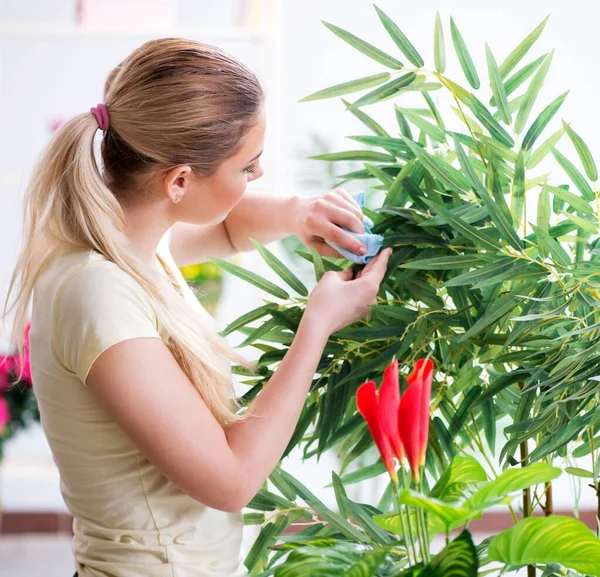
[389, 403]
[369, 407]
[414, 413]
[4, 415]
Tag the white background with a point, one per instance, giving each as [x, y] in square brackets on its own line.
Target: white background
[311, 58]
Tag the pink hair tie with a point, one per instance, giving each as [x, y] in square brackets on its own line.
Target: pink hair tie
[101, 114]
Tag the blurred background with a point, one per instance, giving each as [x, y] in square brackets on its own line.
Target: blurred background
[54, 57]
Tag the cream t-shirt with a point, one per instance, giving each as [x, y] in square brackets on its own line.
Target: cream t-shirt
[129, 519]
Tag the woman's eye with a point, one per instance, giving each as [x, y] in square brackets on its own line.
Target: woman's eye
[251, 168]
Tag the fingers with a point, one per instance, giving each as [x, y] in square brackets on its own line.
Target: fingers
[343, 198]
[345, 217]
[324, 249]
[343, 238]
[376, 267]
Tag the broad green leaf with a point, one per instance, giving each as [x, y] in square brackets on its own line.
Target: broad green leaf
[462, 471]
[457, 559]
[519, 52]
[367, 565]
[512, 83]
[544, 149]
[385, 91]
[466, 62]
[461, 226]
[576, 177]
[347, 155]
[532, 92]
[349, 87]
[366, 119]
[497, 86]
[517, 198]
[280, 268]
[584, 153]
[252, 278]
[542, 121]
[543, 540]
[511, 481]
[450, 516]
[439, 51]
[400, 39]
[366, 48]
[429, 129]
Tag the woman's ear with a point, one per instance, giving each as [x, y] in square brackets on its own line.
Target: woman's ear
[176, 182]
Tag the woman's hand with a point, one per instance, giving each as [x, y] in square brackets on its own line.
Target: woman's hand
[316, 218]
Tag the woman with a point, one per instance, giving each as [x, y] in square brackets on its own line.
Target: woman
[133, 381]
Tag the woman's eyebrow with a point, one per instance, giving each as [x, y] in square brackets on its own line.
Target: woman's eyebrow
[250, 161]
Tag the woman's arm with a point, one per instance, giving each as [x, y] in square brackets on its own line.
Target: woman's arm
[174, 428]
[260, 215]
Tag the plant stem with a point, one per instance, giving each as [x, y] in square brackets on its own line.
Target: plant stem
[402, 524]
[410, 531]
[549, 506]
[423, 522]
[526, 497]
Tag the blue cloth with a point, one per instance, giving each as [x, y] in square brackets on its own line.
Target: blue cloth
[372, 241]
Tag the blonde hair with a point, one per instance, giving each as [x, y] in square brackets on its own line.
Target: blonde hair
[172, 101]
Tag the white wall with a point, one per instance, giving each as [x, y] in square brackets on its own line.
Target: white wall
[313, 58]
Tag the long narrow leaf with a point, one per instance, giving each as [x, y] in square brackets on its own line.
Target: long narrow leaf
[584, 153]
[521, 50]
[576, 177]
[252, 278]
[280, 268]
[532, 93]
[497, 86]
[544, 149]
[400, 39]
[439, 50]
[542, 121]
[387, 90]
[366, 119]
[366, 48]
[349, 87]
[464, 57]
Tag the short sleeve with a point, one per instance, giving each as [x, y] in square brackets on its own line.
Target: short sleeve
[97, 307]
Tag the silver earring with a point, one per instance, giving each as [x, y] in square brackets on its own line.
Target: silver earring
[178, 198]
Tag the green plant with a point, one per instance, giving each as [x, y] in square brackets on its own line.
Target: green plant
[503, 301]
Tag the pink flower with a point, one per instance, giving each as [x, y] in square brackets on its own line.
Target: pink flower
[22, 360]
[4, 415]
[6, 366]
